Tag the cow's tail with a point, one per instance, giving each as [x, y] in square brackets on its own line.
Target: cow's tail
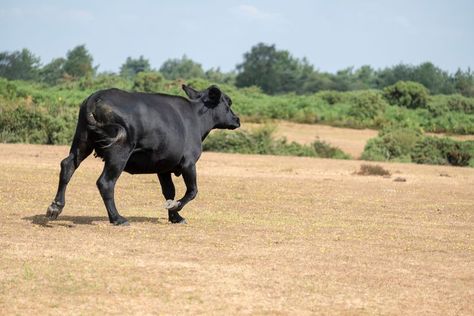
[107, 133]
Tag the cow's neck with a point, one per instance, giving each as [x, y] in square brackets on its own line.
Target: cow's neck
[206, 122]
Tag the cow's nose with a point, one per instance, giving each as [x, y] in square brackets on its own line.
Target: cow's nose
[238, 120]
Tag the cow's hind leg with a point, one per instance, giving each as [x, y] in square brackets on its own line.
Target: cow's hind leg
[80, 149]
[168, 190]
[115, 160]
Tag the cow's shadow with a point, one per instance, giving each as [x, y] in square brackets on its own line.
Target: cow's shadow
[71, 221]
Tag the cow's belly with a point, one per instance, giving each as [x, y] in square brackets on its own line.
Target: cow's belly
[150, 162]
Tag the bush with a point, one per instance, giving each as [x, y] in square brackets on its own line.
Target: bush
[408, 94]
[406, 145]
[441, 104]
[367, 105]
[151, 82]
[331, 97]
[8, 90]
[261, 141]
[30, 123]
[325, 150]
[443, 151]
[395, 143]
[372, 170]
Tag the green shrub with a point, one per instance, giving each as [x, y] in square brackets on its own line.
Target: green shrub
[150, 81]
[440, 104]
[367, 105]
[8, 89]
[405, 145]
[261, 141]
[325, 150]
[409, 94]
[394, 143]
[331, 97]
[443, 151]
[34, 124]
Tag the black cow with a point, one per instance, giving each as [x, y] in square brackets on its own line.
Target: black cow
[145, 133]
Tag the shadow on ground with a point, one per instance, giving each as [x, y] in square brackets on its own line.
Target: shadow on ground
[71, 221]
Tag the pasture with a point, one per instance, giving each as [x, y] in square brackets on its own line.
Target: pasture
[266, 235]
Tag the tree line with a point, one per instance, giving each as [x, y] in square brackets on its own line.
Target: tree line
[273, 70]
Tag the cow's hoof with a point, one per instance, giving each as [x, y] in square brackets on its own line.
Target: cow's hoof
[179, 221]
[122, 221]
[54, 210]
[172, 205]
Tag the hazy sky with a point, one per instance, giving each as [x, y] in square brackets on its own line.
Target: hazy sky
[331, 34]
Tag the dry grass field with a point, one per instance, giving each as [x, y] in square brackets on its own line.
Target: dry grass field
[266, 235]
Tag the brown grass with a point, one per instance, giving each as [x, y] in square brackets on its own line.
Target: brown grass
[266, 235]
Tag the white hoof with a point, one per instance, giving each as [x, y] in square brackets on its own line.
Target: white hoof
[171, 204]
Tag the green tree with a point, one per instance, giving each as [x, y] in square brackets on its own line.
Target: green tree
[217, 76]
[464, 82]
[183, 68]
[78, 62]
[132, 67]
[365, 77]
[392, 75]
[274, 71]
[19, 65]
[318, 81]
[433, 78]
[53, 72]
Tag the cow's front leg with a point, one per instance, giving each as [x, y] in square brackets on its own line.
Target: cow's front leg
[168, 190]
[189, 176]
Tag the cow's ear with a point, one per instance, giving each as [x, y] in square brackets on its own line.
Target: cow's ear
[190, 92]
[214, 95]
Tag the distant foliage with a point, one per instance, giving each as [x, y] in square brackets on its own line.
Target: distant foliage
[132, 67]
[433, 78]
[19, 65]
[443, 151]
[274, 71]
[261, 141]
[406, 145]
[151, 82]
[394, 144]
[217, 76]
[25, 123]
[367, 105]
[78, 62]
[184, 68]
[326, 150]
[409, 94]
[53, 72]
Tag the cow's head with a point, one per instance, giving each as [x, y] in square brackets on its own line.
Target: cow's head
[218, 102]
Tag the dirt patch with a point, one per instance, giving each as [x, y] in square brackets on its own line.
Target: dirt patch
[266, 235]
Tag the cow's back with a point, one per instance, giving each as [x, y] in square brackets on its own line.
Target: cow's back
[156, 127]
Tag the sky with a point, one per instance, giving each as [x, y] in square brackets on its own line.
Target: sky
[332, 35]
